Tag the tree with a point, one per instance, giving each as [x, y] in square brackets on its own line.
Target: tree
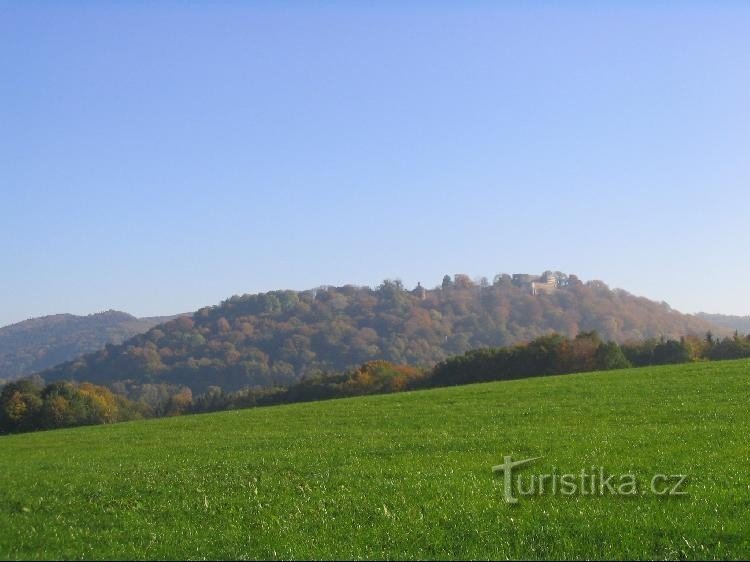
[502, 280]
[610, 356]
[179, 402]
[57, 412]
[671, 351]
[709, 337]
[462, 281]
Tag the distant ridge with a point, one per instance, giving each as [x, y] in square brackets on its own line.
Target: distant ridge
[739, 323]
[278, 337]
[39, 343]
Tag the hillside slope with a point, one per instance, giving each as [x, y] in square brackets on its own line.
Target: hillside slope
[397, 476]
[278, 337]
[39, 343]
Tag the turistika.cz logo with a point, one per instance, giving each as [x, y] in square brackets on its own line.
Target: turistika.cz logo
[593, 481]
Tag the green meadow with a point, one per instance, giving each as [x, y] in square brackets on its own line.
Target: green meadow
[404, 475]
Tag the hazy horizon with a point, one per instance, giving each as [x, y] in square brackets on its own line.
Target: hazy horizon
[157, 158]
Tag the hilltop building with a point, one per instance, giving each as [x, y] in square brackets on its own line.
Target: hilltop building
[547, 283]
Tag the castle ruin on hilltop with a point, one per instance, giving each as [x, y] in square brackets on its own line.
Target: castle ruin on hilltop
[547, 283]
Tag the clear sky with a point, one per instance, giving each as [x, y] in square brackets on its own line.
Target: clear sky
[159, 157]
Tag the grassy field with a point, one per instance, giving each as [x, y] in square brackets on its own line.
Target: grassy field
[397, 476]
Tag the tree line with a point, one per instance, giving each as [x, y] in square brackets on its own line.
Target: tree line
[552, 354]
[29, 404]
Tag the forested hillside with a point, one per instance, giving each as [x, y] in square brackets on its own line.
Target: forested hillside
[277, 337]
[33, 345]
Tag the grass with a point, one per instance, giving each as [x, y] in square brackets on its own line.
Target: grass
[397, 476]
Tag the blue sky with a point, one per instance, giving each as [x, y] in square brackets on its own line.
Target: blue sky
[159, 157]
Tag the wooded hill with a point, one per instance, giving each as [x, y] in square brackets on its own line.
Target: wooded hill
[37, 344]
[278, 337]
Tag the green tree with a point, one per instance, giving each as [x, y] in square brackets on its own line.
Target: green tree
[610, 356]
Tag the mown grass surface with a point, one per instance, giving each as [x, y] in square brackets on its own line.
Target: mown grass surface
[397, 476]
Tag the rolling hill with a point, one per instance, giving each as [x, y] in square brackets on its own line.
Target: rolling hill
[39, 343]
[398, 476]
[278, 337]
